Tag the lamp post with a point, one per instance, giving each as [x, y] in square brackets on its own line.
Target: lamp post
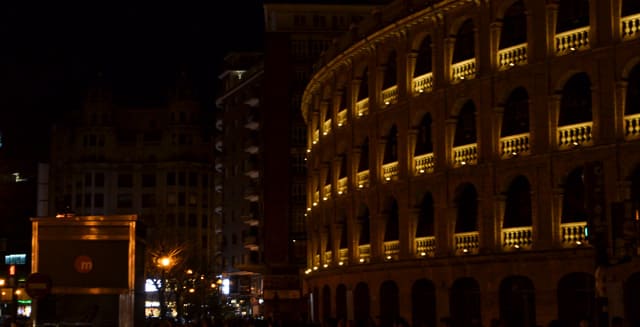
[165, 263]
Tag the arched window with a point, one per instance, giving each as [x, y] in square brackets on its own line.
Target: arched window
[343, 99]
[390, 72]
[364, 156]
[466, 202]
[316, 303]
[363, 90]
[361, 304]
[464, 303]
[575, 105]
[329, 244]
[465, 42]
[329, 178]
[630, 7]
[517, 211]
[424, 59]
[423, 303]
[425, 217]
[576, 298]
[517, 302]
[632, 102]
[391, 147]
[326, 303]
[466, 125]
[515, 119]
[343, 166]
[635, 192]
[341, 302]
[514, 26]
[424, 144]
[363, 219]
[573, 206]
[391, 231]
[572, 14]
[389, 303]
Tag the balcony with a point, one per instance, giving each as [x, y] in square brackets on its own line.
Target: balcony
[250, 242]
[327, 192]
[342, 117]
[426, 246]
[632, 126]
[251, 194]
[250, 220]
[390, 95]
[316, 136]
[570, 136]
[514, 145]
[316, 260]
[343, 256]
[574, 233]
[362, 107]
[517, 237]
[630, 27]
[326, 127]
[465, 155]
[342, 186]
[390, 171]
[512, 56]
[424, 163]
[316, 198]
[463, 70]
[573, 40]
[423, 83]
[328, 258]
[365, 252]
[391, 249]
[467, 243]
[363, 179]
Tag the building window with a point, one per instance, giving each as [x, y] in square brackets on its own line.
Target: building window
[171, 179]
[125, 200]
[193, 179]
[98, 179]
[148, 200]
[148, 180]
[182, 199]
[205, 221]
[181, 221]
[98, 200]
[182, 179]
[171, 199]
[193, 200]
[87, 179]
[125, 180]
[193, 221]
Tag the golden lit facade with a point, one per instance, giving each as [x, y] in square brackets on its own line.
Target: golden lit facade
[449, 148]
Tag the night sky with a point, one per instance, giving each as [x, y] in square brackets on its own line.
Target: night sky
[50, 52]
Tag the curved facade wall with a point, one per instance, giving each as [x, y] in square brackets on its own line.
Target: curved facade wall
[466, 159]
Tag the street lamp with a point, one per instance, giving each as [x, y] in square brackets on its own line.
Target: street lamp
[164, 263]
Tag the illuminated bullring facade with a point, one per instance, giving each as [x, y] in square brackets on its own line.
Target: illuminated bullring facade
[448, 150]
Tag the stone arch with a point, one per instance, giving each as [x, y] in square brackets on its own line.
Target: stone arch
[518, 206]
[390, 75]
[514, 25]
[517, 302]
[572, 14]
[423, 303]
[389, 303]
[464, 303]
[424, 56]
[464, 46]
[576, 298]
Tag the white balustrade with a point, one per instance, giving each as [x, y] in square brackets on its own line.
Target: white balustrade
[316, 136]
[390, 170]
[630, 26]
[326, 127]
[517, 237]
[327, 192]
[342, 117]
[426, 246]
[424, 163]
[362, 107]
[465, 155]
[390, 95]
[316, 197]
[343, 255]
[463, 70]
[316, 260]
[423, 83]
[574, 135]
[574, 233]
[328, 257]
[342, 186]
[365, 252]
[512, 56]
[632, 126]
[573, 40]
[363, 178]
[391, 248]
[514, 145]
[467, 243]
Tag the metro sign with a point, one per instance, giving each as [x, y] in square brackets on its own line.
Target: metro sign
[83, 264]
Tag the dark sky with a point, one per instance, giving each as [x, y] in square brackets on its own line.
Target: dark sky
[49, 52]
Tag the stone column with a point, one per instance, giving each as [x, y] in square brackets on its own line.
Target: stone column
[494, 44]
[354, 240]
[449, 45]
[378, 226]
[556, 217]
[338, 229]
[554, 115]
[619, 110]
[408, 233]
[499, 204]
[450, 132]
[412, 136]
[496, 148]
[552, 15]
[324, 236]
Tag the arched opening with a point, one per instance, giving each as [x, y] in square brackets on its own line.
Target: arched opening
[391, 147]
[466, 125]
[517, 211]
[326, 303]
[341, 302]
[517, 302]
[343, 100]
[635, 192]
[426, 217]
[514, 26]
[632, 102]
[329, 177]
[343, 166]
[391, 230]
[576, 298]
[423, 303]
[573, 205]
[632, 299]
[329, 244]
[389, 307]
[363, 220]
[424, 144]
[464, 47]
[363, 163]
[515, 119]
[363, 90]
[424, 59]
[361, 305]
[316, 304]
[464, 303]
[572, 14]
[575, 105]
[630, 7]
[390, 72]
[466, 202]
[344, 244]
